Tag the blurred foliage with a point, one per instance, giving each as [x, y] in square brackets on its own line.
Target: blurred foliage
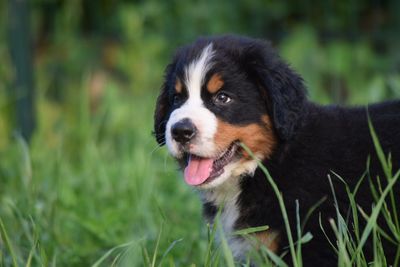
[347, 52]
[92, 178]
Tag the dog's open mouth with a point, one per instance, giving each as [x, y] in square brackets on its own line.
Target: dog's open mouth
[201, 170]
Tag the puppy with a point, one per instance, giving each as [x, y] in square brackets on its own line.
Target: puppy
[221, 92]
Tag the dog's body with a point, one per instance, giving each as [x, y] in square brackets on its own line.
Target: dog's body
[332, 140]
[224, 90]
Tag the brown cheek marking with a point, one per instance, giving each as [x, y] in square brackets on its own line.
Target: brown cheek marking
[178, 86]
[215, 83]
[269, 239]
[260, 139]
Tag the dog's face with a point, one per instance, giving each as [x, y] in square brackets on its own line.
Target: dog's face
[220, 92]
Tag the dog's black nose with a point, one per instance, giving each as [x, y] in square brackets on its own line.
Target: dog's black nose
[183, 131]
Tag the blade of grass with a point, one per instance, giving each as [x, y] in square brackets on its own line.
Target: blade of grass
[109, 252]
[381, 232]
[275, 259]
[353, 205]
[270, 255]
[343, 257]
[30, 256]
[340, 230]
[211, 237]
[281, 204]
[116, 259]
[375, 213]
[378, 148]
[153, 261]
[397, 257]
[311, 211]
[251, 230]
[145, 255]
[385, 210]
[170, 247]
[386, 168]
[6, 240]
[229, 261]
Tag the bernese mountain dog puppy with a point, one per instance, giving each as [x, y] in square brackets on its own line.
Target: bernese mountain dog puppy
[221, 92]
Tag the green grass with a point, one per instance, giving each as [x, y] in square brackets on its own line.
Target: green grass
[96, 190]
[93, 187]
[88, 188]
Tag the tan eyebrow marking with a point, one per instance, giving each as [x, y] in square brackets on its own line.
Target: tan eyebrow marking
[215, 83]
[178, 86]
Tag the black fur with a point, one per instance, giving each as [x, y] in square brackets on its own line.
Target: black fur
[330, 139]
[284, 88]
[313, 141]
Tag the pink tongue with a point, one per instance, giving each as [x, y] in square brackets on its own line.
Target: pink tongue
[198, 170]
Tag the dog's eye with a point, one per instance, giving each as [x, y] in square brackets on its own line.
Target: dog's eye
[177, 99]
[222, 98]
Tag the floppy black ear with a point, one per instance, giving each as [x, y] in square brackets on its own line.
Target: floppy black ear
[283, 89]
[160, 116]
[162, 108]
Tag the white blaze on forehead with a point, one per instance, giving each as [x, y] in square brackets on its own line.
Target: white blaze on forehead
[194, 109]
[196, 72]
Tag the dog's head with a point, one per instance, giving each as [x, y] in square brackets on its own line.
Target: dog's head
[221, 91]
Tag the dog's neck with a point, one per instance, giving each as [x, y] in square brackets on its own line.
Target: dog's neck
[228, 191]
[223, 200]
[223, 194]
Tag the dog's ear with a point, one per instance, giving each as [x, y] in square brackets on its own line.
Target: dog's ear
[162, 108]
[160, 115]
[282, 88]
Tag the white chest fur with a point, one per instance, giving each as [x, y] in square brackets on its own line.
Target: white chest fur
[226, 197]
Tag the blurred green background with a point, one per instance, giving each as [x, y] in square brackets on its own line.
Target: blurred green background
[91, 185]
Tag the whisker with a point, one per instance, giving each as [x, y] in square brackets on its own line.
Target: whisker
[162, 141]
[156, 148]
[155, 134]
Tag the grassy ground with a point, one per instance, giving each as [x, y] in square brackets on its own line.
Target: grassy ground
[93, 188]
[93, 183]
